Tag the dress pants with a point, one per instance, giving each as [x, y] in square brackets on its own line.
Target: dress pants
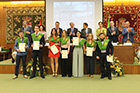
[65, 66]
[18, 57]
[90, 65]
[35, 54]
[103, 63]
[78, 62]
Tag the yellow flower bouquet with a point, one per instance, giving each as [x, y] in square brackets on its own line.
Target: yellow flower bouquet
[116, 68]
[29, 68]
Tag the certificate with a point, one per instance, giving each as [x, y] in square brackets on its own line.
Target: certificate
[89, 51]
[36, 45]
[114, 44]
[75, 41]
[22, 47]
[110, 59]
[128, 44]
[64, 54]
[54, 49]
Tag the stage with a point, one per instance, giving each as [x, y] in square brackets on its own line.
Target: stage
[7, 67]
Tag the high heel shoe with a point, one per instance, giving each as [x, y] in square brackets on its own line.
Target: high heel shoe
[56, 75]
[53, 75]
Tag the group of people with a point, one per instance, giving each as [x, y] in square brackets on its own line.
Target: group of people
[62, 39]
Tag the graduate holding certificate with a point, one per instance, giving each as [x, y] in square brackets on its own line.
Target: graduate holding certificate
[89, 51]
[54, 50]
[78, 55]
[21, 46]
[75, 41]
[37, 43]
[103, 47]
[65, 50]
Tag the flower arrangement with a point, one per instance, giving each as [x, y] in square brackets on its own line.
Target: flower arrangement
[29, 68]
[116, 68]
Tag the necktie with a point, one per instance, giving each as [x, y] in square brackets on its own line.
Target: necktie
[24, 29]
[72, 30]
[112, 29]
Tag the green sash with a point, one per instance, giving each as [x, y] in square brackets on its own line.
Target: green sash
[64, 41]
[25, 35]
[92, 44]
[81, 43]
[36, 38]
[25, 40]
[103, 46]
[54, 40]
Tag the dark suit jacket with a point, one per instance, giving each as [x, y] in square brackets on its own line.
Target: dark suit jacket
[69, 30]
[113, 38]
[60, 32]
[30, 30]
[109, 46]
[42, 42]
[83, 35]
[131, 34]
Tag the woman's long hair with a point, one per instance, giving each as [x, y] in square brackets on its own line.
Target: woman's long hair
[65, 32]
[52, 32]
[88, 37]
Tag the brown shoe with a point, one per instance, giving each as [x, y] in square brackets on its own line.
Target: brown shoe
[91, 76]
[25, 76]
[15, 77]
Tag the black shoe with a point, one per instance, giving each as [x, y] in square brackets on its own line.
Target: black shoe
[32, 77]
[69, 75]
[109, 78]
[102, 77]
[63, 75]
[43, 77]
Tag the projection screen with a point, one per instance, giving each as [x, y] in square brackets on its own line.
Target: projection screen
[77, 11]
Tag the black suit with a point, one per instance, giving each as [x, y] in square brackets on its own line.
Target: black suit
[103, 59]
[113, 38]
[38, 53]
[83, 32]
[60, 32]
[70, 30]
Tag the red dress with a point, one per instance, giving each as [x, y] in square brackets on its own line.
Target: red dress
[51, 53]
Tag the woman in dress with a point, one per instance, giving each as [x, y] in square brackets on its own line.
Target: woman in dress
[90, 59]
[78, 55]
[54, 40]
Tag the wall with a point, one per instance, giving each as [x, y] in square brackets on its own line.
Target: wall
[3, 18]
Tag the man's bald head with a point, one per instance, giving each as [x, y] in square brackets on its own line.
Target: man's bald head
[24, 23]
[111, 23]
[127, 23]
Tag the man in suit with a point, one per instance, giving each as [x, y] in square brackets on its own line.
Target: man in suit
[102, 50]
[128, 33]
[59, 30]
[37, 36]
[85, 31]
[113, 32]
[72, 31]
[27, 30]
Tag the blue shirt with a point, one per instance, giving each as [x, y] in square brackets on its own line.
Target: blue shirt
[17, 47]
